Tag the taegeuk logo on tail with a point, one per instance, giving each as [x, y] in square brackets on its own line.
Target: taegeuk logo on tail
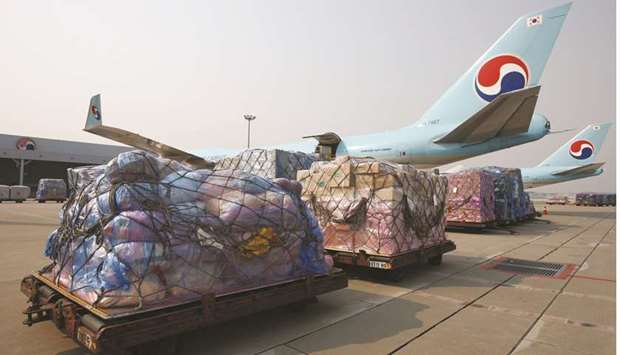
[500, 74]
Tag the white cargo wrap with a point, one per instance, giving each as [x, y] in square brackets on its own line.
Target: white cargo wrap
[4, 192]
[19, 192]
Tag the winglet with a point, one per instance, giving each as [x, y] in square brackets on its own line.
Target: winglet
[94, 117]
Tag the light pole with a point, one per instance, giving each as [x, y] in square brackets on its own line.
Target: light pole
[249, 118]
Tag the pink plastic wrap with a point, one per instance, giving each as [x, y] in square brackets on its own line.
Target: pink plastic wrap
[470, 197]
[377, 207]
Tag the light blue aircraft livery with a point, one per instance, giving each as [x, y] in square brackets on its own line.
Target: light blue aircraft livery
[574, 160]
[490, 107]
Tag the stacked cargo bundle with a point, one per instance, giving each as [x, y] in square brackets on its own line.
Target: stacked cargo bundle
[470, 198]
[19, 193]
[530, 211]
[51, 189]
[374, 207]
[610, 199]
[508, 190]
[4, 193]
[521, 206]
[595, 199]
[144, 231]
[268, 163]
[78, 178]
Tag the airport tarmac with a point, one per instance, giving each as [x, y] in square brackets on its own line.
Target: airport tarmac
[458, 307]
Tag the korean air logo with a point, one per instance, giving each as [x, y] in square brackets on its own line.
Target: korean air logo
[581, 149]
[95, 111]
[500, 74]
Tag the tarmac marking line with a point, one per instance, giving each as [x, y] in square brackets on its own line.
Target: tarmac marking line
[580, 232]
[593, 278]
[565, 284]
[425, 285]
[605, 328]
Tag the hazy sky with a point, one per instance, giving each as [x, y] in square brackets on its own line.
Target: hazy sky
[184, 72]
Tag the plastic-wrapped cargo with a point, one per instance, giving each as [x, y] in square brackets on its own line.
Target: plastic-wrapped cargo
[147, 231]
[19, 193]
[585, 199]
[268, 163]
[525, 209]
[4, 192]
[530, 210]
[610, 199]
[51, 189]
[595, 199]
[507, 195]
[79, 177]
[470, 197]
[374, 206]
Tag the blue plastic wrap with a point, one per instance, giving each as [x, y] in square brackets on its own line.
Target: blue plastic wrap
[147, 229]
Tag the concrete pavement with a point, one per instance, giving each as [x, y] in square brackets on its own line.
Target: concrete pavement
[457, 307]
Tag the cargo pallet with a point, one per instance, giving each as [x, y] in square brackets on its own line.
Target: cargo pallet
[470, 225]
[16, 201]
[432, 255]
[131, 331]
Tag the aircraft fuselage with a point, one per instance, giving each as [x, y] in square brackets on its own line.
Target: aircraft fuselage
[415, 145]
[543, 175]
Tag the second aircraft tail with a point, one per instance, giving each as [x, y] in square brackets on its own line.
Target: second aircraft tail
[581, 149]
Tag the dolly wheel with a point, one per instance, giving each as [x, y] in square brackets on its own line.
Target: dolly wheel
[435, 260]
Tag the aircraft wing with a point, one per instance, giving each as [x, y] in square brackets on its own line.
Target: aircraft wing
[588, 168]
[95, 125]
[508, 114]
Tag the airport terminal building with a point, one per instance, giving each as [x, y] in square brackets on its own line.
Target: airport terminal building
[25, 160]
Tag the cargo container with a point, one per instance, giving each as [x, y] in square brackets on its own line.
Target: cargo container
[19, 193]
[470, 199]
[161, 235]
[51, 190]
[378, 214]
[595, 199]
[4, 193]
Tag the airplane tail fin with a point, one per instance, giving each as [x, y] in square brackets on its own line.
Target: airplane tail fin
[581, 149]
[515, 61]
[94, 125]
[94, 119]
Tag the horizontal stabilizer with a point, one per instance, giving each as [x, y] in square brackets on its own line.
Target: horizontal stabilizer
[94, 124]
[508, 114]
[329, 138]
[584, 169]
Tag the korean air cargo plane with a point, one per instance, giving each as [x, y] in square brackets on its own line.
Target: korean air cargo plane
[574, 160]
[490, 107]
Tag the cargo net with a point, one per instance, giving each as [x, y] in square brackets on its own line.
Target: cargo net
[51, 189]
[268, 163]
[507, 194]
[376, 207]
[470, 197]
[145, 230]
